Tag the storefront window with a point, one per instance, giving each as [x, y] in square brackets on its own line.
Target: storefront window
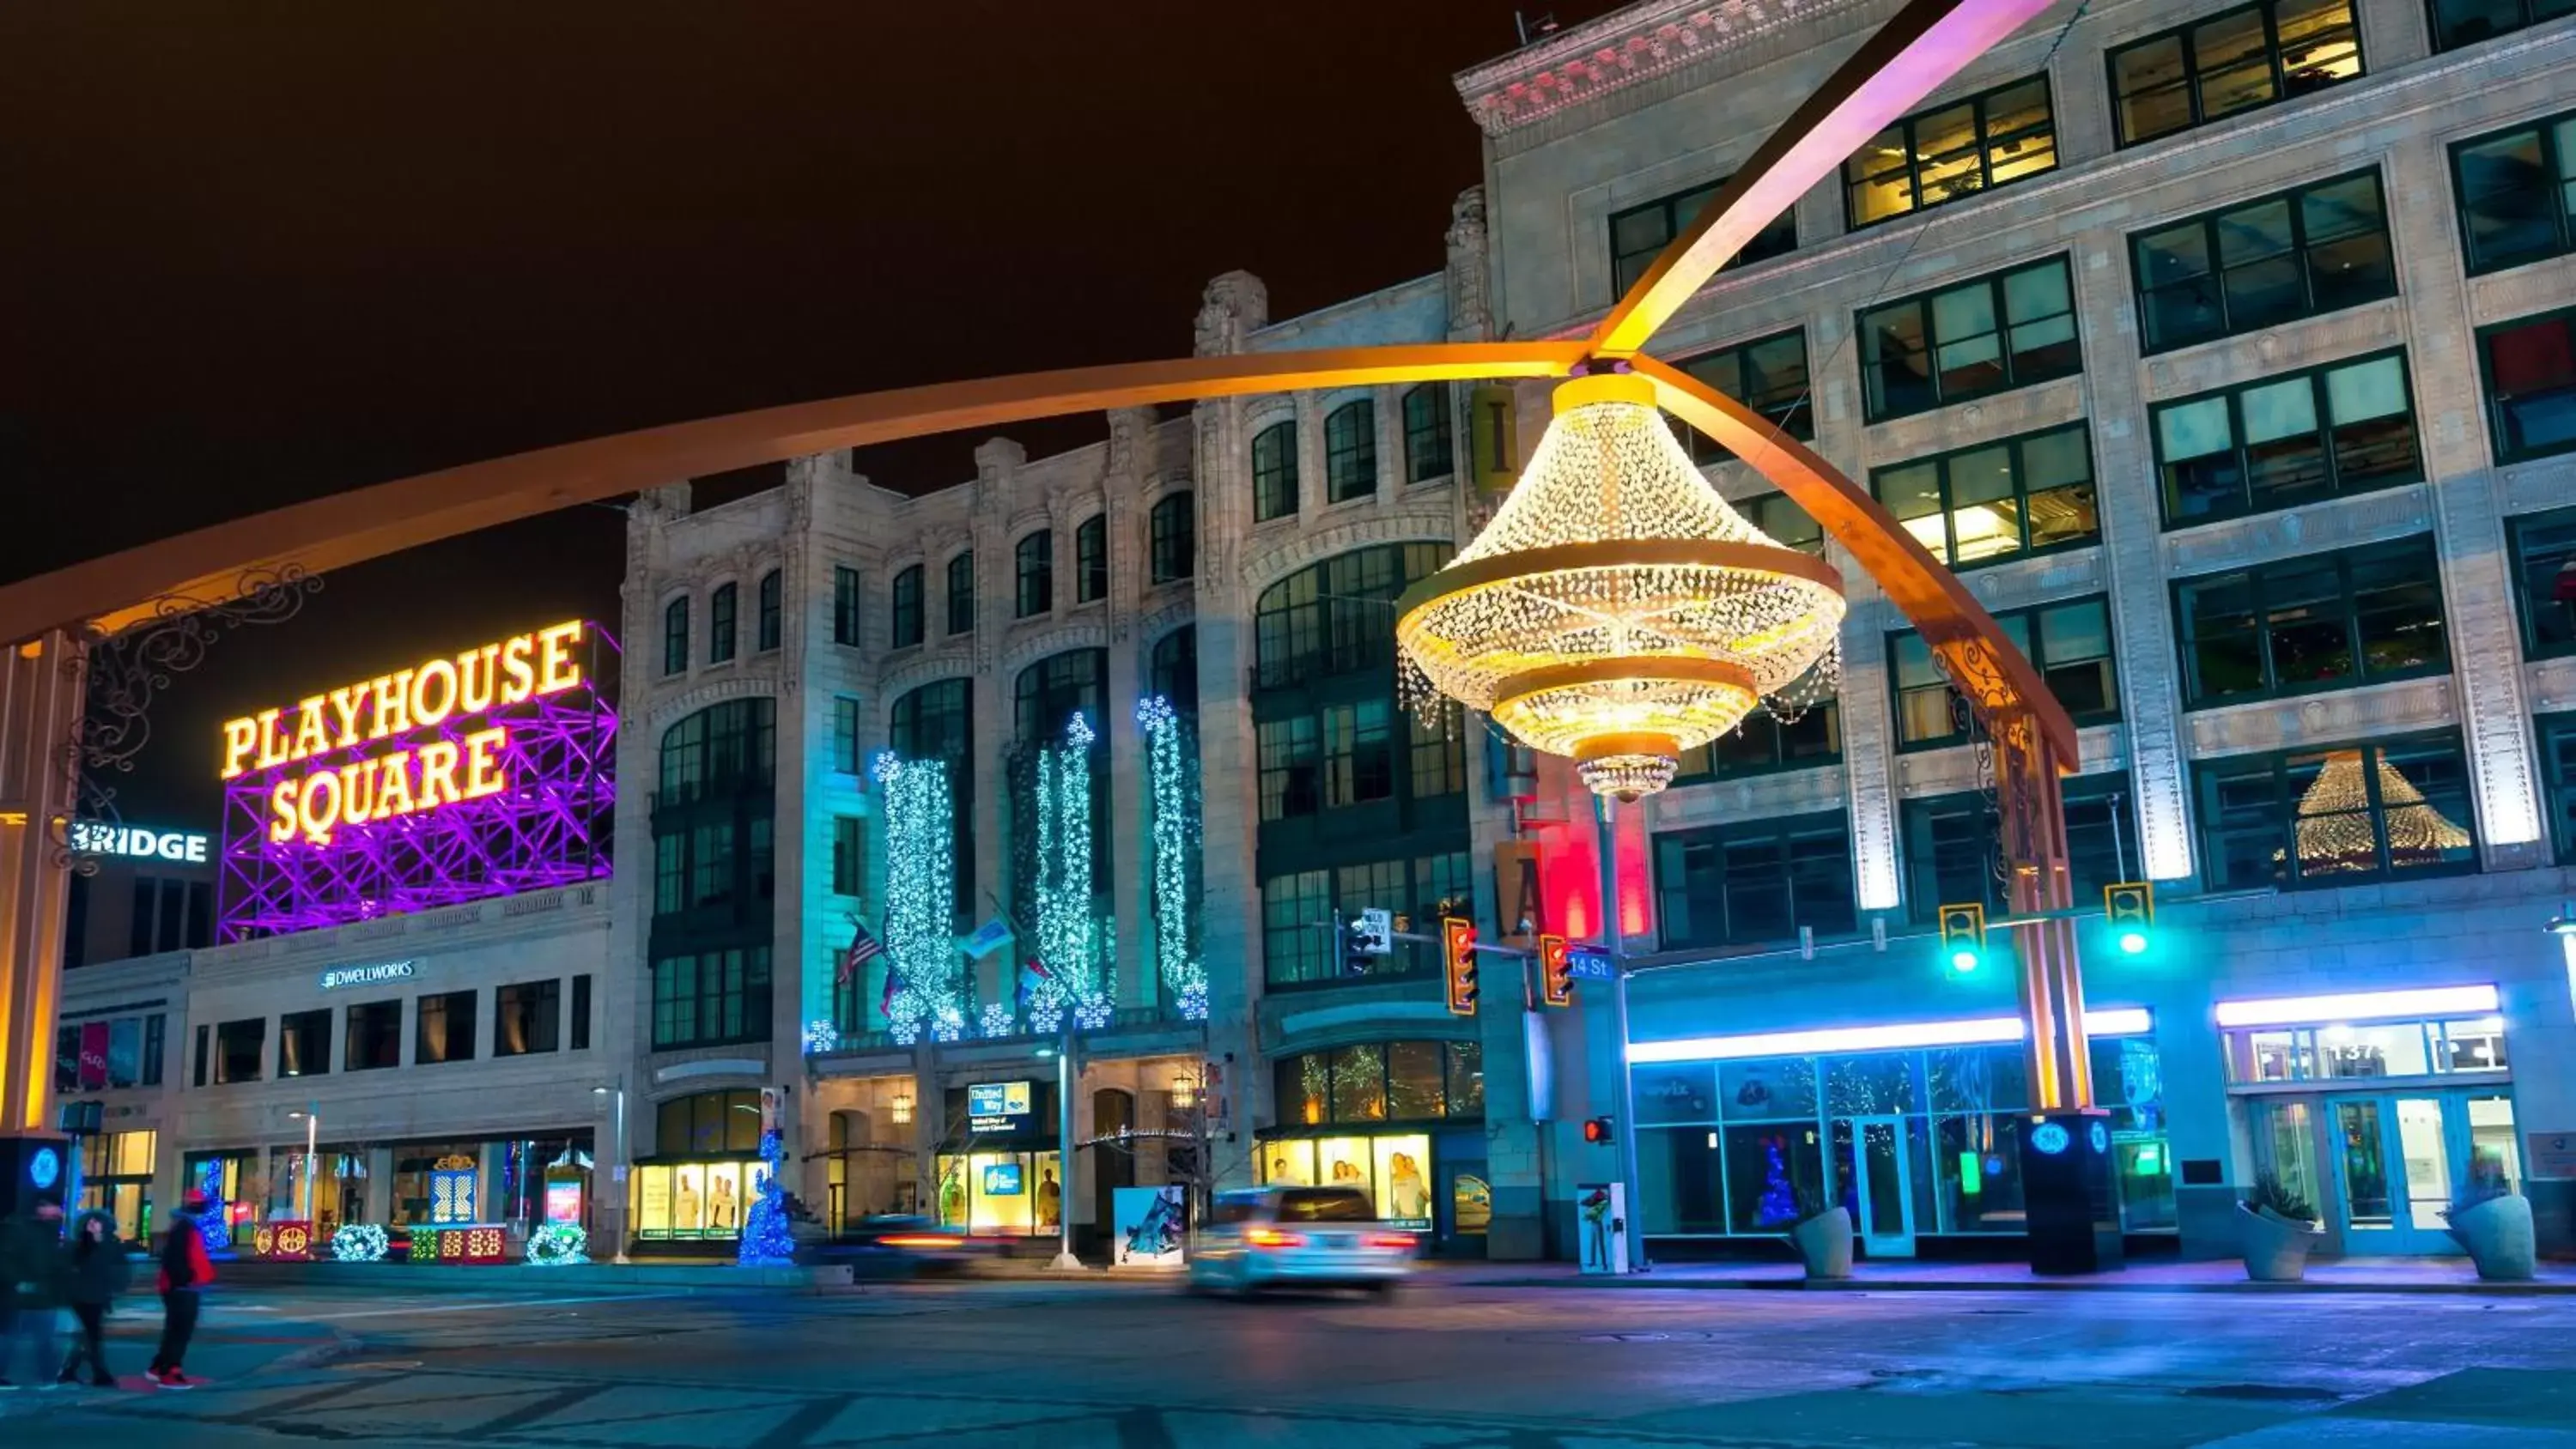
[1394, 1169]
[1402, 1081]
[1359, 1084]
[1769, 1167]
[2367, 1049]
[691, 1201]
[1413, 1080]
[116, 1178]
[1018, 1193]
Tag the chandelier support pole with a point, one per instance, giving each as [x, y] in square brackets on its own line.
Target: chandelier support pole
[41, 694]
[1624, 1140]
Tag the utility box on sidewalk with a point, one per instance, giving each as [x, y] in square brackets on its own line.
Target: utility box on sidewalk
[2068, 1192]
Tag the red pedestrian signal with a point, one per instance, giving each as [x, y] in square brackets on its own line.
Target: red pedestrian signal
[1597, 1131]
[1458, 962]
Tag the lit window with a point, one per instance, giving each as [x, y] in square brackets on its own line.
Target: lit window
[2069, 645]
[1952, 151]
[2530, 368]
[2336, 816]
[2230, 63]
[1998, 500]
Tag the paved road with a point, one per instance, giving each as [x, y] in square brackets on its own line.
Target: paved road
[1074, 1365]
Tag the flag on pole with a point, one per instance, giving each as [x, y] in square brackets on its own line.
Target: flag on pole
[986, 939]
[1031, 973]
[863, 948]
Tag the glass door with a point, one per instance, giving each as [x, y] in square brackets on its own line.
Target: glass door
[1885, 1206]
[2396, 1160]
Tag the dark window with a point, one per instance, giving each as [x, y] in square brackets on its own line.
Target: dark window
[581, 1012]
[171, 927]
[2531, 385]
[711, 999]
[907, 608]
[1768, 375]
[1998, 500]
[1763, 745]
[1336, 617]
[2322, 621]
[2466, 22]
[961, 594]
[1091, 559]
[156, 1043]
[1779, 516]
[144, 917]
[1755, 882]
[1428, 452]
[239, 1045]
[1274, 472]
[304, 1044]
[845, 735]
[1350, 451]
[1437, 750]
[2285, 441]
[374, 1040]
[708, 1124]
[204, 1056]
[772, 609]
[1172, 535]
[1174, 669]
[1033, 561]
[845, 605]
[1954, 850]
[1640, 234]
[2518, 191]
[1359, 752]
[201, 915]
[720, 624]
[675, 636]
[2069, 644]
[1952, 151]
[2558, 773]
[849, 855]
[1291, 768]
[2336, 816]
[2258, 263]
[443, 1028]
[527, 1018]
[2236, 61]
[933, 723]
[1298, 910]
[1987, 335]
[67, 1040]
[1048, 694]
[2544, 571]
[720, 749]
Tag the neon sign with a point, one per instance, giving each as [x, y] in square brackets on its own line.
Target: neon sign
[92, 837]
[480, 773]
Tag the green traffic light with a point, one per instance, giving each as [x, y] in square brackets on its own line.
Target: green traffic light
[1963, 961]
[2133, 942]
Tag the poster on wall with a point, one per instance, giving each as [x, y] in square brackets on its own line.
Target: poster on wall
[653, 1208]
[1152, 1226]
[1288, 1164]
[1343, 1162]
[1403, 1180]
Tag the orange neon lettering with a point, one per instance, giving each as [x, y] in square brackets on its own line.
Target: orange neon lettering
[312, 735]
[272, 750]
[560, 672]
[393, 786]
[345, 702]
[438, 774]
[424, 685]
[482, 762]
[358, 792]
[515, 667]
[281, 806]
[317, 820]
[475, 696]
[241, 736]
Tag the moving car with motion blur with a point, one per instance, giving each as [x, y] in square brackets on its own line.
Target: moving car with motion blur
[1299, 1237]
[900, 1245]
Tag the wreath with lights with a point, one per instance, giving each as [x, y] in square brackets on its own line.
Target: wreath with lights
[558, 1244]
[359, 1243]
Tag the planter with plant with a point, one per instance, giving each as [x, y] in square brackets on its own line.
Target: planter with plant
[1822, 1234]
[2493, 1224]
[2276, 1229]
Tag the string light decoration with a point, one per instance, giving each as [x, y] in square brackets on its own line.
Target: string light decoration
[921, 901]
[2336, 830]
[1616, 609]
[1173, 778]
[767, 1239]
[359, 1243]
[558, 1245]
[1070, 938]
[999, 1019]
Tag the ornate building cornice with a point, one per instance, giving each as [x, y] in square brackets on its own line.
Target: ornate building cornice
[1652, 38]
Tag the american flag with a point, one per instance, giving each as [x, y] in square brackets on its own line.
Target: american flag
[863, 948]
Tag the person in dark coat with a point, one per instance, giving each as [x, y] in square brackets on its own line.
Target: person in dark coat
[95, 1272]
[30, 1288]
[185, 1272]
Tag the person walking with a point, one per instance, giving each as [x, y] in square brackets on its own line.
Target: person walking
[31, 1275]
[95, 1273]
[185, 1272]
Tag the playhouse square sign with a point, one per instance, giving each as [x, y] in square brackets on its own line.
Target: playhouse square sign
[357, 748]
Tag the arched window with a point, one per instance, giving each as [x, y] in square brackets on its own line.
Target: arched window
[720, 624]
[708, 1124]
[1174, 669]
[1274, 472]
[1337, 616]
[675, 636]
[1350, 451]
[1427, 451]
[1033, 569]
[961, 594]
[719, 748]
[1172, 534]
[772, 608]
[1051, 690]
[1091, 559]
[935, 722]
[907, 608]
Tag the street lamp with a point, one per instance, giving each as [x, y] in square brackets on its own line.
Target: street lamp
[900, 1109]
[617, 1173]
[312, 1127]
[1185, 1091]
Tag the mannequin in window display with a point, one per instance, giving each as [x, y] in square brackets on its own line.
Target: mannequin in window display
[1050, 1199]
[952, 1195]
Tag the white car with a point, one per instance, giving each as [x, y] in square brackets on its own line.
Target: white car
[1303, 1237]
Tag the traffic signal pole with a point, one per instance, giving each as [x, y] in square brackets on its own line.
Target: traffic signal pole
[1624, 1141]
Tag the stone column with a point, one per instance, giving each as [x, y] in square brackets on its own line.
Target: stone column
[997, 465]
[40, 710]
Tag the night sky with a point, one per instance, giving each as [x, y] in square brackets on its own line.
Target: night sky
[256, 253]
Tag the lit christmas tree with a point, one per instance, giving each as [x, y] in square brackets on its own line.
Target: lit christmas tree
[767, 1241]
[1779, 1202]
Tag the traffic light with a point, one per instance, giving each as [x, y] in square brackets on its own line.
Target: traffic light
[2129, 908]
[1556, 969]
[1458, 963]
[1597, 1131]
[1963, 938]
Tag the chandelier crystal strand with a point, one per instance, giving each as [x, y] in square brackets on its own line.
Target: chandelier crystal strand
[1616, 610]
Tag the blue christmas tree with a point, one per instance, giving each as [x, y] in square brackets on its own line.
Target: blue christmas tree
[1779, 1202]
[767, 1241]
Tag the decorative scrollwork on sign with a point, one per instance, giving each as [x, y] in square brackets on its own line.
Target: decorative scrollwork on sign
[129, 669]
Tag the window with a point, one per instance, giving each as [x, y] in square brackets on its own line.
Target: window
[1274, 471]
[2558, 774]
[721, 749]
[581, 1012]
[845, 605]
[2466, 22]
[720, 624]
[1396, 1081]
[2544, 571]
[1764, 744]
[849, 856]
[1428, 452]
[1640, 234]
[2069, 644]
[2517, 192]
[1334, 617]
[961, 594]
[304, 1044]
[2336, 816]
[932, 722]
[1091, 560]
[906, 608]
[845, 735]
[1952, 151]
[526, 1018]
[1173, 669]
[711, 999]
[2369, 1049]
[374, 1040]
[1033, 563]
[1048, 694]
[2313, 250]
[1296, 927]
[2237, 61]
[156, 1042]
[1998, 500]
[1438, 747]
[2285, 441]
[204, 1056]
[2322, 621]
[1768, 375]
[772, 610]
[675, 637]
[1989, 335]
[1756, 882]
[1954, 846]
[238, 1048]
[2531, 385]
[1359, 757]
[708, 1124]
[1298, 910]
[1291, 767]
[444, 1028]
[1779, 516]
[1350, 451]
[1172, 537]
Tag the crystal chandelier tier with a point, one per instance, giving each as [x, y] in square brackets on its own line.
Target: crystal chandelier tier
[1617, 611]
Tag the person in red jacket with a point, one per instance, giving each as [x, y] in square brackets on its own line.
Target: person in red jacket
[185, 1272]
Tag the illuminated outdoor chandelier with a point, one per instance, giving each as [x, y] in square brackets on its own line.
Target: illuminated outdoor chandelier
[1617, 610]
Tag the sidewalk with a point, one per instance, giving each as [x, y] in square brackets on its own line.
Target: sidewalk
[2217, 1275]
[234, 1342]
